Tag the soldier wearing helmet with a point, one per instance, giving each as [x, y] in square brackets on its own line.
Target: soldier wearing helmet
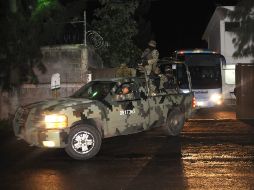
[150, 57]
[168, 79]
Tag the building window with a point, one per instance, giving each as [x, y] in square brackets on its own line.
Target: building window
[231, 26]
[230, 76]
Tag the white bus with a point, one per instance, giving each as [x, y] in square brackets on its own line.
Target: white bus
[206, 76]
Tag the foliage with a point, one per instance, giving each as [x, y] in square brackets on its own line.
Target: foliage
[20, 40]
[115, 22]
[47, 21]
[144, 34]
[244, 40]
[16, 58]
[24, 30]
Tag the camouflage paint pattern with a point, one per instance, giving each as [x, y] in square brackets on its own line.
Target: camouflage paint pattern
[115, 115]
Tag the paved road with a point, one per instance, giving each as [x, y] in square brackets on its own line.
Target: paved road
[216, 152]
[218, 113]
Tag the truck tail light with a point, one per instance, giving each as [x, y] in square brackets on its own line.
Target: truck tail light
[194, 103]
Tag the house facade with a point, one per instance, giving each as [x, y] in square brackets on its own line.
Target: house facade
[219, 36]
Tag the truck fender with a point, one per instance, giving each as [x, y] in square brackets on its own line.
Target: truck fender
[96, 123]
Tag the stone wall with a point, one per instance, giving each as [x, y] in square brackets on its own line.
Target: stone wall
[29, 93]
[65, 60]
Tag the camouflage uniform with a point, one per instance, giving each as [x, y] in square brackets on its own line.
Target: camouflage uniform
[152, 57]
[163, 80]
[167, 83]
[149, 58]
[123, 71]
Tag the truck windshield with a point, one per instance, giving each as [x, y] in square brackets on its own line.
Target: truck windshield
[96, 90]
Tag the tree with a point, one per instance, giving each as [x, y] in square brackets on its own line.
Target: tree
[18, 50]
[21, 38]
[244, 40]
[47, 22]
[26, 25]
[115, 22]
[144, 24]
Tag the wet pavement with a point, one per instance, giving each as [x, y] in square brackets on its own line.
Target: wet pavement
[214, 151]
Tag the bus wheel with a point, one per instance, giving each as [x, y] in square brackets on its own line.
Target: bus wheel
[84, 142]
[175, 122]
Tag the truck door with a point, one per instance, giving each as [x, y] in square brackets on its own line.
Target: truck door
[129, 113]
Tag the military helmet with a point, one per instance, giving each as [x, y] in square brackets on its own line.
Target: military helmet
[152, 43]
[168, 69]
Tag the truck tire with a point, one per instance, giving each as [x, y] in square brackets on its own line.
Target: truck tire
[84, 142]
[175, 122]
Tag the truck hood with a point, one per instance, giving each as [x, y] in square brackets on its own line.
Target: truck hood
[58, 104]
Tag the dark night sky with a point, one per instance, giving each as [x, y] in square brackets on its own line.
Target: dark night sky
[181, 24]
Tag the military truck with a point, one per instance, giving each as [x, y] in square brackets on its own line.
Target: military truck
[106, 108]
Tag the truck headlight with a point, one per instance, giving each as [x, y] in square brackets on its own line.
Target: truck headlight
[56, 121]
[216, 98]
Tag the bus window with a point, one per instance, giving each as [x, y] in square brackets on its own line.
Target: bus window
[205, 77]
[182, 76]
[205, 72]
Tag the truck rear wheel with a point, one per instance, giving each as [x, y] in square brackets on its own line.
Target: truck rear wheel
[175, 122]
[84, 142]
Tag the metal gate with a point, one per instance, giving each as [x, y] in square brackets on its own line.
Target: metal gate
[244, 91]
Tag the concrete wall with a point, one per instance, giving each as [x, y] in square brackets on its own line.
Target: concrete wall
[65, 60]
[213, 39]
[227, 46]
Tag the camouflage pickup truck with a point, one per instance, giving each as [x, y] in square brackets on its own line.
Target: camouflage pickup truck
[105, 108]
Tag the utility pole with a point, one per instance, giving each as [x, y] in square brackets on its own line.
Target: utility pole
[85, 28]
[84, 55]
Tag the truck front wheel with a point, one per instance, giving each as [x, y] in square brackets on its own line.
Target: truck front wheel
[84, 142]
[175, 122]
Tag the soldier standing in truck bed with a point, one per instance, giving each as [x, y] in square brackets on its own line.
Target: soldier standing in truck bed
[150, 57]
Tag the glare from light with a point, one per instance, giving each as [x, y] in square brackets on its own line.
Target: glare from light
[200, 103]
[48, 143]
[55, 118]
[55, 121]
[216, 98]
[185, 91]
